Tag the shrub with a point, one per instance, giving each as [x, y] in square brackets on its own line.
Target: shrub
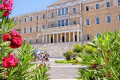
[102, 58]
[78, 48]
[68, 55]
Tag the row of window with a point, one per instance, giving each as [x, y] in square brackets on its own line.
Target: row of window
[36, 41]
[31, 18]
[97, 6]
[88, 36]
[30, 30]
[61, 23]
[108, 18]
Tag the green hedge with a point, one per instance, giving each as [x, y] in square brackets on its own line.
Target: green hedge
[66, 62]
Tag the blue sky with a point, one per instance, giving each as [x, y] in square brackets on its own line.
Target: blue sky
[27, 6]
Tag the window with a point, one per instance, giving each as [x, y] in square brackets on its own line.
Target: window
[52, 14]
[87, 37]
[74, 10]
[14, 21]
[97, 6]
[36, 17]
[107, 4]
[87, 22]
[108, 19]
[30, 41]
[59, 12]
[19, 20]
[43, 16]
[25, 20]
[19, 31]
[66, 22]
[119, 18]
[118, 2]
[59, 23]
[30, 29]
[62, 11]
[97, 20]
[62, 22]
[30, 18]
[74, 22]
[87, 8]
[43, 26]
[24, 30]
[97, 35]
[52, 25]
[66, 10]
[36, 41]
[36, 29]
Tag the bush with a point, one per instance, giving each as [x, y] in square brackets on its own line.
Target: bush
[78, 48]
[102, 57]
[68, 55]
[66, 62]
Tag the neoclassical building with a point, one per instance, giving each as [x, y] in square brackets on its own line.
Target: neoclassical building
[67, 22]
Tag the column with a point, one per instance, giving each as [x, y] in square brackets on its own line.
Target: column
[61, 36]
[46, 37]
[78, 36]
[57, 37]
[81, 36]
[49, 38]
[53, 38]
[65, 36]
[69, 37]
[43, 38]
[73, 36]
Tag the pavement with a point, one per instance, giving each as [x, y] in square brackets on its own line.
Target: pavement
[62, 71]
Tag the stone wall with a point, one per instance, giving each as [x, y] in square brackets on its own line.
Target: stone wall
[56, 49]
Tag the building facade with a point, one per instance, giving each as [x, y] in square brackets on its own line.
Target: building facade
[67, 22]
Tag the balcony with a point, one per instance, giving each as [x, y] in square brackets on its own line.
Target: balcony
[69, 27]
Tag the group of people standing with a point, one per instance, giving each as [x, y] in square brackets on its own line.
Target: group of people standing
[41, 57]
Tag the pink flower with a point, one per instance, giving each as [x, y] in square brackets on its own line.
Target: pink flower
[16, 39]
[1, 6]
[6, 14]
[6, 37]
[10, 62]
[5, 0]
[16, 43]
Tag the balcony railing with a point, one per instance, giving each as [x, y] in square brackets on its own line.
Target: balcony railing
[62, 27]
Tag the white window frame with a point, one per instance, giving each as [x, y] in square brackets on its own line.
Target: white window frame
[76, 22]
[75, 10]
[31, 29]
[107, 19]
[24, 19]
[118, 17]
[95, 6]
[96, 20]
[35, 40]
[24, 30]
[85, 7]
[52, 14]
[85, 21]
[36, 30]
[44, 26]
[86, 37]
[30, 41]
[106, 4]
[36, 17]
[30, 18]
[44, 16]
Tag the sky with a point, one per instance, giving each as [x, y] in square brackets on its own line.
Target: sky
[27, 6]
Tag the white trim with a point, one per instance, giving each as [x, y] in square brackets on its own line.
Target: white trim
[24, 31]
[106, 4]
[26, 19]
[99, 20]
[118, 18]
[85, 21]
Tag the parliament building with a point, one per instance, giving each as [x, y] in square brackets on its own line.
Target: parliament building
[68, 22]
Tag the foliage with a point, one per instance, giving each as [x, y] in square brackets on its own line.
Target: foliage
[24, 69]
[78, 48]
[68, 55]
[41, 72]
[66, 62]
[102, 58]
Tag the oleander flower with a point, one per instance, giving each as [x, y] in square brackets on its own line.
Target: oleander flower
[6, 37]
[16, 43]
[6, 14]
[9, 62]
[94, 65]
[15, 39]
